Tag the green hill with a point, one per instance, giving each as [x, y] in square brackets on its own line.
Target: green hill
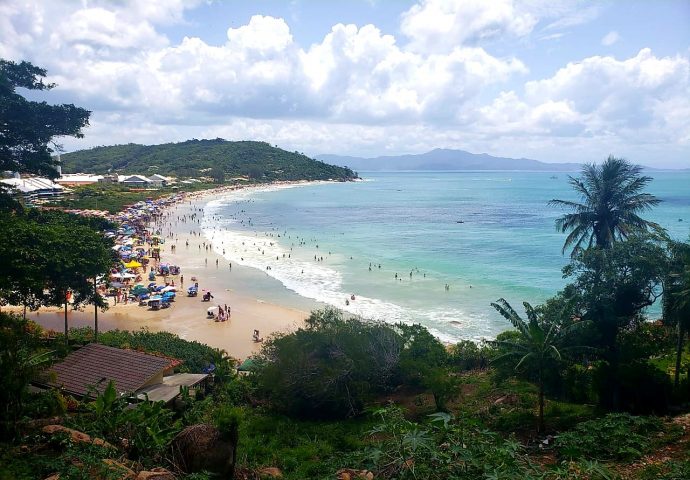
[257, 160]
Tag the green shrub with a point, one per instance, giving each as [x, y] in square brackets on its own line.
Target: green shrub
[329, 368]
[617, 436]
[149, 426]
[669, 470]
[468, 355]
[445, 447]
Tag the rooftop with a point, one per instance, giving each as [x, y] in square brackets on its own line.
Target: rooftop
[32, 184]
[94, 365]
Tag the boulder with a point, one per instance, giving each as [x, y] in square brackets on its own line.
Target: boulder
[272, 472]
[118, 468]
[202, 447]
[75, 435]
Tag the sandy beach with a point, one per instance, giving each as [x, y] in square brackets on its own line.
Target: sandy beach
[186, 317]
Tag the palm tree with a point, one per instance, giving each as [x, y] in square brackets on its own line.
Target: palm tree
[538, 346]
[676, 302]
[611, 200]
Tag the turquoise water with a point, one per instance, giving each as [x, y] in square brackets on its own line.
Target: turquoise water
[486, 235]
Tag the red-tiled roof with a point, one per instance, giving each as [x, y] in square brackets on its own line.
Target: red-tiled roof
[95, 365]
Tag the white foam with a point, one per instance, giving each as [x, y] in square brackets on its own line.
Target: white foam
[307, 278]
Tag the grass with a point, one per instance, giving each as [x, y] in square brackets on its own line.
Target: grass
[301, 449]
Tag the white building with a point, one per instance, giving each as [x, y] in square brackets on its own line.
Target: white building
[75, 179]
[35, 188]
[137, 181]
[158, 180]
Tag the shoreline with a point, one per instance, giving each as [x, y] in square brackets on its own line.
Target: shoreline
[186, 317]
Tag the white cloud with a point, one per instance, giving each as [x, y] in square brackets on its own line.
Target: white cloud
[640, 99]
[262, 35]
[610, 38]
[440, 25]
[356, 90]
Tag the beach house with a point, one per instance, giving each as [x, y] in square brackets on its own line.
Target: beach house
[136, 375]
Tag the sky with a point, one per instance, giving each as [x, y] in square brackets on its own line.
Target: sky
[553, 80]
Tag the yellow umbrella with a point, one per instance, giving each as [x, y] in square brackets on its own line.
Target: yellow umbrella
[133, 264]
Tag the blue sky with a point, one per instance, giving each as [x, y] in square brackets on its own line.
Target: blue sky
[554, 80]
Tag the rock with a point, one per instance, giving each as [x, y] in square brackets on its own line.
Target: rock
[117, 467]
[272, 472]
[158, 473]
[510, 399]
[350, 474]
[75, 435]
[202, 447]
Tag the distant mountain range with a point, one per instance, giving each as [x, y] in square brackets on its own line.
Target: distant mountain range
[445, 159]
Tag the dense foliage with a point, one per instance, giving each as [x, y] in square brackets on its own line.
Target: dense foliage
[27, 127]
[331, 367]
[218, 159]
[20, 359]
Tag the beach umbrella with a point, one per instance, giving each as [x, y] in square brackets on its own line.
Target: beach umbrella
[133, 264]
[169, 288]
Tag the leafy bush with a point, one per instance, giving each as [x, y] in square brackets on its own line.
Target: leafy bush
[617, 436]
[444, 448]
[468, 355]
[330, 367]
[148, 427]
[20, 359]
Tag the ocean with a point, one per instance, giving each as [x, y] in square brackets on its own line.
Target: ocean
[434, 248]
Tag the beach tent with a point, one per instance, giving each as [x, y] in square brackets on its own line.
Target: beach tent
[139, 290]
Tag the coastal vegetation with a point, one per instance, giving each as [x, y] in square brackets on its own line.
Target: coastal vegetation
[217, 159]
[114, 197]
[586, 387]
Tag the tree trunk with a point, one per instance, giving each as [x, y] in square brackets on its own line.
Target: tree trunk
[679, 353]
[540, 427]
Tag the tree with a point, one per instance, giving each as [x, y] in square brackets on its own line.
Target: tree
[80, 255]
[676, 304]
[27, 127]
[611, 288]
[24, 257]
[611, 200]
[424, 360]
[50, 255]
[218, 174]
[538, 345]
